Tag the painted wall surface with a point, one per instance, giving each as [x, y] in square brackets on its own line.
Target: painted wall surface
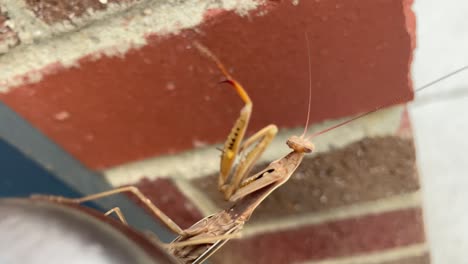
[20, 176]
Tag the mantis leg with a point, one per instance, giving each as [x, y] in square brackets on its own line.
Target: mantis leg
[203, 240]
[262, 139]
[234, 139]
[119, 214]
[232, 146]
[132, 189]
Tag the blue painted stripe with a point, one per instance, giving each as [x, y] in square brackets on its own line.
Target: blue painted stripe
[21, 176]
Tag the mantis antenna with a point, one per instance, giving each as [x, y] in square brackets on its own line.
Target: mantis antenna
[443, 77]
[310, 84]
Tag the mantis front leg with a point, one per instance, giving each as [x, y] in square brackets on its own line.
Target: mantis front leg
[262, 139]
[228, 183]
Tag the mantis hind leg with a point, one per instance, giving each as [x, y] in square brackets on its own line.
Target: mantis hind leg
[132, 189]
[119, 214]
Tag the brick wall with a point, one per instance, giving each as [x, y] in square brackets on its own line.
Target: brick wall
[119, 86]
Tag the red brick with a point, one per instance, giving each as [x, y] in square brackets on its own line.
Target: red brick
[167, 197]
[328, 240]
[164, 97]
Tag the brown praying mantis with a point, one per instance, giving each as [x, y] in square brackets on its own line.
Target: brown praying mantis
[198, 242]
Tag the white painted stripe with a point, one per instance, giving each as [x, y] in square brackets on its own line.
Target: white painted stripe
[395, 254]
[111, 35]
[205, 161]
[412, 200]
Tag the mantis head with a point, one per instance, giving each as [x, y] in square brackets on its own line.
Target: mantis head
[300, 144]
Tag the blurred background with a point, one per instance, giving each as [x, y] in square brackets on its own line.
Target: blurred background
[440, 125]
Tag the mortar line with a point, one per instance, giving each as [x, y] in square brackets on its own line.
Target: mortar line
[204, 204]
[26, 24]
[405, 201]
[394, 254]
[109, 36]
[205, 161]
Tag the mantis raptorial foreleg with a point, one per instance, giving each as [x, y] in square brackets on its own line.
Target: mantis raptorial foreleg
[132, 189]
[233, 148]
[234, 139]
[228, 183]
[263, 139]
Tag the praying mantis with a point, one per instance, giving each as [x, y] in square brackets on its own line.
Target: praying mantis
[198, 242]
